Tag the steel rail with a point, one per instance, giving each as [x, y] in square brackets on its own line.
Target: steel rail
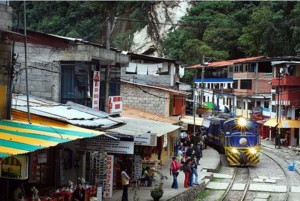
[284, 171]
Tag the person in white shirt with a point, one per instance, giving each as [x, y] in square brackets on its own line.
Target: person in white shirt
[125, 183]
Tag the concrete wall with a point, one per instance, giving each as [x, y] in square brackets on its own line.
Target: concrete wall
[168, 80]
[5, 17]
[5, 58]
[135, 97]
[43, 63]
[43, 71]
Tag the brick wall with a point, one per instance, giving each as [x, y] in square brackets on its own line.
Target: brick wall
[134, 96]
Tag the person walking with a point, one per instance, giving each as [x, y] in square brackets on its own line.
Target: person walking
[187, 171]
[125, 183]
[198, 153]
[195, 172]
[174, 168]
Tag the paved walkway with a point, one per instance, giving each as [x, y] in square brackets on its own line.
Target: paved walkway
[210, 161]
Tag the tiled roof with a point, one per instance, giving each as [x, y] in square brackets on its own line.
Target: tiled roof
[229, 62]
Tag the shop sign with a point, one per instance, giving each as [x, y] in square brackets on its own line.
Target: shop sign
[14, 167]
[115, 105]
[109, 165]
[42, 158]
[146, 139]
[96, 90]
[116, 146]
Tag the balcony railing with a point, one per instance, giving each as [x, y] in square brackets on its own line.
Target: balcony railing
[286, 81]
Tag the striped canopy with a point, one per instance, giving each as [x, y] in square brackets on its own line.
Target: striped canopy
[20, 137]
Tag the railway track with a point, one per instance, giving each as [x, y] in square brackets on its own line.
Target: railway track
[282, 163]
[240, 176]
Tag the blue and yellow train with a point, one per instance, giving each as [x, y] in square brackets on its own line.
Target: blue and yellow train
[237, 137]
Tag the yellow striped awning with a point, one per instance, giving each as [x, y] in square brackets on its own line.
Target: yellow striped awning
[283, 123]
[20, 137]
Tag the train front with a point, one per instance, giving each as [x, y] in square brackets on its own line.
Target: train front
[242, 142]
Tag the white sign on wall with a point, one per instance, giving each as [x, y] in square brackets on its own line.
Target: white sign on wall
[109, 165]
[146, 139]
[96, 90]
[115, 105]
[117, 147]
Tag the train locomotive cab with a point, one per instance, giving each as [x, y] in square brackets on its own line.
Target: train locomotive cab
[242, 142]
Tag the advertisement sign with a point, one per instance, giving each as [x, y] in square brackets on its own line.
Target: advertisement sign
[109, 176]
[117, 147]
[14, 167]
[146, 139]
[115, 105]
[96, 90]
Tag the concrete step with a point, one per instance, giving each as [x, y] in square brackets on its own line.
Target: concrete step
[268, 188]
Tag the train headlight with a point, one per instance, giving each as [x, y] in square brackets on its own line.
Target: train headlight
[252, 150]
[235, 151]
[242, 122]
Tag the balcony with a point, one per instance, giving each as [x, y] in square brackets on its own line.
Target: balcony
[286, 81]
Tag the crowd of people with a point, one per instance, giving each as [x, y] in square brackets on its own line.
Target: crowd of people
[187, 160]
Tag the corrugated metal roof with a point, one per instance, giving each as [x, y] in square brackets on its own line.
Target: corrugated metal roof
[158, 87]
[135, 127]
[142, 114]
[228, 62]
[72, 113]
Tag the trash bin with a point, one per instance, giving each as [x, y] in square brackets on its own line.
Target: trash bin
[291, 166]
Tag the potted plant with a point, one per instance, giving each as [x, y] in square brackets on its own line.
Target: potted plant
[157, 191]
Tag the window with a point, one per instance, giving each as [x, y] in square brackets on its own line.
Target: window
[207, 98]
[241, 68]
[208, 85]
[235, 84]
[246, 84]
[228, 86]
[274, 108]
[257, 103]
[236, 68]
[74, 82]
[266, 104]
[230, 69]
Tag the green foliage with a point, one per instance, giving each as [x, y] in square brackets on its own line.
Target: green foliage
[229, 30]
[82, 19]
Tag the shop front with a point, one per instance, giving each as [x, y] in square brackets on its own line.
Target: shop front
[289, 131]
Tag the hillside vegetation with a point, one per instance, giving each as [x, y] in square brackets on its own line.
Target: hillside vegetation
[223, 30]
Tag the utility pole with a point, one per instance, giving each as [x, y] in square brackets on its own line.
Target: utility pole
[278, 111]
[202, 81]
[107, 68]
[26, 70]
